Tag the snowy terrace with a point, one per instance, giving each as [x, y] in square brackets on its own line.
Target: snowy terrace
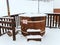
[52, 35]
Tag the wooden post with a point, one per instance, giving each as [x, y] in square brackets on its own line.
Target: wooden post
[8, 9]
[0, 31]
[59, 22]
[56, 22]
[13, 30]
[53, 20]
[50, 20]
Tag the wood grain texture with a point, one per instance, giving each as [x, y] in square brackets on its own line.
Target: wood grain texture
[57, 10]
[38, 25]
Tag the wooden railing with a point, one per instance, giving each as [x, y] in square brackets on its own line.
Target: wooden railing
[16, 19]
[53, 20]
[6, 24]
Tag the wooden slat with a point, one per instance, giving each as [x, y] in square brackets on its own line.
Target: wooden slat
[6, 22]
[50, 20]
[59, 22]
[3, 30]
[0, 31]
[6, 18]
[13, 30]
[53, 21]
[5, 27]
[56, 22]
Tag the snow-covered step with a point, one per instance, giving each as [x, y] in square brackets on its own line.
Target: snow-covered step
[34, 37]
[33, 30]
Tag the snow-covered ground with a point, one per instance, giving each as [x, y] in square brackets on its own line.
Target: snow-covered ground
[51, 37]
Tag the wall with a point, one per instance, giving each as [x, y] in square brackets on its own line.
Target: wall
[20, 6]
[56, 3]
[27, 6]
[3, 8]
[46, 7]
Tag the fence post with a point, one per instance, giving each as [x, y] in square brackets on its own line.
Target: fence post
[13, 29]
[0, 31]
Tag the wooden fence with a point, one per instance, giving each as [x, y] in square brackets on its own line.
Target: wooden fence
[6, 24]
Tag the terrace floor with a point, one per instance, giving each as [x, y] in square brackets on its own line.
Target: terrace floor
[51, 37]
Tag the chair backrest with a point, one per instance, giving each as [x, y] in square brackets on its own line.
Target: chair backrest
[6, 23]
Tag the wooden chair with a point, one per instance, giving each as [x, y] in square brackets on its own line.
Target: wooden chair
[7, 24]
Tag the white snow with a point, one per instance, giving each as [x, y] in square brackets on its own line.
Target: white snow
[33, 14]
[33, 30]
[33, 36]
[51, 37]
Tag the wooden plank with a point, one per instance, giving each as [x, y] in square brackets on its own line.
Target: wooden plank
[53, 20]
[50, 20]
[6, 22]
[59, 22]
[6, 27]
[13, 31]
[0, 31]
[56, 22]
